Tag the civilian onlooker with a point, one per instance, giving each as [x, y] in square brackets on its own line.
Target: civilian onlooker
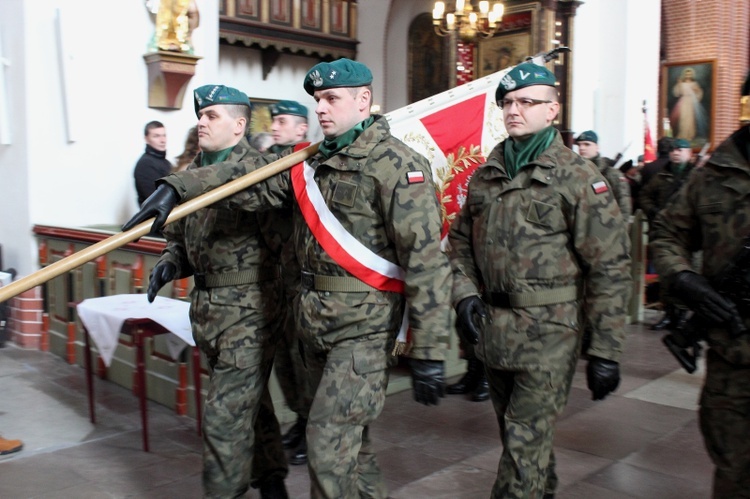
[153, 164]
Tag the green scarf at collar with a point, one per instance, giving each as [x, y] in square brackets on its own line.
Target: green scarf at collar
[278, 148]
[519, 154]
[329, 147]
[679, 168]
[211, 158]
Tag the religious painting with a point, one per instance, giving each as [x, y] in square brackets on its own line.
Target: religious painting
[281, 12]
[429, 60]
[340, 17]
[512, 44]
[248, 9]
[311, 14]
[502, 51]
[688, 100]
[260, 116]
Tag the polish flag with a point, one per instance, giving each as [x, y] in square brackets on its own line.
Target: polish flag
[455, 130]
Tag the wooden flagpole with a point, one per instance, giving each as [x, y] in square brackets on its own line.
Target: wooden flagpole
[113, 242]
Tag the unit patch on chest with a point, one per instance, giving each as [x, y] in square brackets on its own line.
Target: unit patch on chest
[345, 193]
[538, 212]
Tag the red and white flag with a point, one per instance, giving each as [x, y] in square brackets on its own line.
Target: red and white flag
[649, 151]
[455, 130]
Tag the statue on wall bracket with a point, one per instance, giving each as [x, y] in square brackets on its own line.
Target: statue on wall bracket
[170, 55]
[175, 22]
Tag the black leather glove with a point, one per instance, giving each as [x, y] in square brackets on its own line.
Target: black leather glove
[702, 298]
[428, 380]
[161, 274]
[159, 205]
[602, 377]
[466, 322]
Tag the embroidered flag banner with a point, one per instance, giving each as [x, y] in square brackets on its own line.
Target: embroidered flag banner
[455, 130]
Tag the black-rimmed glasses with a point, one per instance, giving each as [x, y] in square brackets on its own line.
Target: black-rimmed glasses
[523, 103]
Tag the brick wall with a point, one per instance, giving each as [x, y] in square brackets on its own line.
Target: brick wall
[25, 324]
[711, 29]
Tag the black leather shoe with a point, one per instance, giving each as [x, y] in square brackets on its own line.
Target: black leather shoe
[295, 435]
[300, 455]
[482, 391]
[273, 489]
[468, 382]
[662, 324]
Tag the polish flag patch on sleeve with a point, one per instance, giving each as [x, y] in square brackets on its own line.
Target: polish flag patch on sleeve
[600, 187]
[416, 177]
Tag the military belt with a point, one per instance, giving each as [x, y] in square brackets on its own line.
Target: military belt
[337, 284]
[249, 276]
[502, 299]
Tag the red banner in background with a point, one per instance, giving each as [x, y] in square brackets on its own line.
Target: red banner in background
[649, 150]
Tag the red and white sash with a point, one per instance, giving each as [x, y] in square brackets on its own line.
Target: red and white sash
[345, 249]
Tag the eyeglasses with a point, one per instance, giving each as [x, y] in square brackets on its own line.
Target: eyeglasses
[524, 103]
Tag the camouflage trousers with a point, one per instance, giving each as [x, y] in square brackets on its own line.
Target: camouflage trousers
[241, 435]
[725, 425]
[291, 371]
[350, 384]
[527, 403]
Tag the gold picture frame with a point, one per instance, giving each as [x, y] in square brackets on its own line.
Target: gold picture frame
[688, 99]
[260, 115]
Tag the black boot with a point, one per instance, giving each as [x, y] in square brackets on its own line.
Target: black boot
[295, 435]
[482, 391]
[665, 321]
[300, 454]
[468, 382]
[273, 489]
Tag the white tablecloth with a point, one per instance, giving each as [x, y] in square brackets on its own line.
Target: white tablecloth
[103, 318]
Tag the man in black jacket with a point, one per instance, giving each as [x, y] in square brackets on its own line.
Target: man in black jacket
[153, 164]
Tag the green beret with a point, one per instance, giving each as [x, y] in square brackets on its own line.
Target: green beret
[524, 75]
[588, 136]
[210, 95]
[680, 144]
[288, 107]
[340, 73]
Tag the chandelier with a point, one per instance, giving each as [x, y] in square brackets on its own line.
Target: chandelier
[467, 23]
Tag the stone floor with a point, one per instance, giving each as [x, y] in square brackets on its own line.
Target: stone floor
[643, 441]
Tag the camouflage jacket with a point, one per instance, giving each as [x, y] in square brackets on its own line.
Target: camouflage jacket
[366, 187]
[215, 241]
[711, 212]
[547, 228]
[654, 195]
[618, 182]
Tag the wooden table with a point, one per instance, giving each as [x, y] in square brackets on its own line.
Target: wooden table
[105, 318]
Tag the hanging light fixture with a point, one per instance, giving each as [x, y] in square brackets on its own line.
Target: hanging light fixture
[468, 24]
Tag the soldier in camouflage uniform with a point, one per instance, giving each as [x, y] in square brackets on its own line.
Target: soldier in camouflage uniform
[236, 308]
[289, 128]
[381, 193]
[539, 249]
[711, 212]
[588, 147]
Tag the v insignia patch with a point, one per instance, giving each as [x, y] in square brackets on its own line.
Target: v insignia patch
[524, 75]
